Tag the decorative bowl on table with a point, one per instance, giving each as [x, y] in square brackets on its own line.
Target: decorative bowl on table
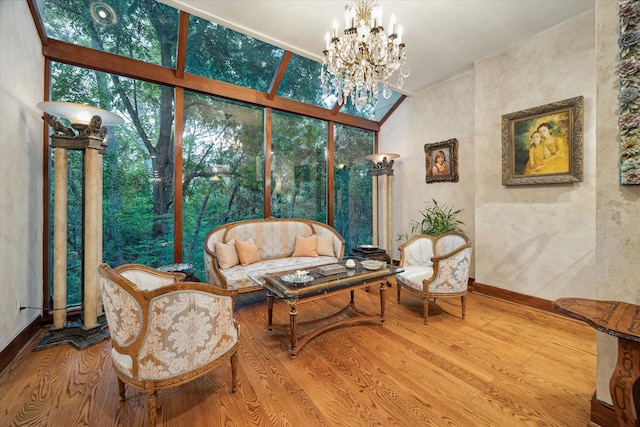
[300, 276]
[350, 263]
[371, 264]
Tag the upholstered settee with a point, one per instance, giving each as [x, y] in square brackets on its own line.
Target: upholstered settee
[233, 251]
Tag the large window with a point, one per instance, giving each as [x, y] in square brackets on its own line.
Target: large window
[162, 194]
[141, 29]
[223, 54]
[138, 169]
[353, 186]
[299, 167]
[222, 152]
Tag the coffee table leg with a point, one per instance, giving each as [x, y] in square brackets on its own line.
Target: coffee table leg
[383, 294]
[293, 326]
[269, 312]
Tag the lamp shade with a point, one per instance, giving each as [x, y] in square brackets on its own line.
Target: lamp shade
[78, 114]
[378, 157]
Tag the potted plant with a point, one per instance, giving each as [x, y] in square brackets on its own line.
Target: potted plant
[436, 220]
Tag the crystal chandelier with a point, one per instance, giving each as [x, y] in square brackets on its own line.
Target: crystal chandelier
[364, 56]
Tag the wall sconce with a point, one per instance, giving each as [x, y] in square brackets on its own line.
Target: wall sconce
[87, 134]
[382, 165]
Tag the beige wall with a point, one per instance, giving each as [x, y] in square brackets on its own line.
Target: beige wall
[546, 241]
[21, 88]
[439, 113]
[536, 240]
[617, 207]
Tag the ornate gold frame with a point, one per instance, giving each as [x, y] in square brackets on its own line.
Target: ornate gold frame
[450, 148]
[567, 116]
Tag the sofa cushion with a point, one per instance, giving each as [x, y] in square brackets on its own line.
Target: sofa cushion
[247, 251]
[305, 246]
[227, 254]
[237, 277]
[413, 275]
[325, 245]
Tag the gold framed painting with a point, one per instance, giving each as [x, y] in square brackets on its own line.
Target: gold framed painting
[442, 161]
[544, 145]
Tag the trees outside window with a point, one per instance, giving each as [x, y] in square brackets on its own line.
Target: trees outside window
[353, 190]
[222, 157]
[217, 163]
[299, 167]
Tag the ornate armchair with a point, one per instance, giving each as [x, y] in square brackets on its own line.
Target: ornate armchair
[164, 332]
[435, 268]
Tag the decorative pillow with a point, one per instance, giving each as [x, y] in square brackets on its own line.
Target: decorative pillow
[306, 246]
[325, 245]
[227, 254]
[247, 251]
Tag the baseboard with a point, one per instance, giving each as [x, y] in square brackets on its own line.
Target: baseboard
[602, 414]
[514, 297]
[11, 351]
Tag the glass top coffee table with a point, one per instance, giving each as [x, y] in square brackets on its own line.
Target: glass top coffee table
[282, 285]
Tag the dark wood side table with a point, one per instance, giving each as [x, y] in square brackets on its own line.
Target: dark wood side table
[621, 320]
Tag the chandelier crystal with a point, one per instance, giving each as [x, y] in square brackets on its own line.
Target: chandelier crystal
[365, 56]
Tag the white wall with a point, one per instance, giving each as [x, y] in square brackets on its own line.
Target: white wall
[437, 114]
[21, 206]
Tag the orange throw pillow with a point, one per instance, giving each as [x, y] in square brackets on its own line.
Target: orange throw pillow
[325, 245]
[247, 251]
[306, 246]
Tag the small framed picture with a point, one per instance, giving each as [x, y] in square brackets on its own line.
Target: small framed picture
[442, 161]
[543, 145]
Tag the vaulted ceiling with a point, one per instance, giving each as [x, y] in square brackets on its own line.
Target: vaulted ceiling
[443, 37]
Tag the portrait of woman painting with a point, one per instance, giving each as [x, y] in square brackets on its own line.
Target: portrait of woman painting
[441, 161]
[543, 145]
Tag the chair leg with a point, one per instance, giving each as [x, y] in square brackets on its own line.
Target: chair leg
[425, 309]
[234, 371]
[121, 389]
[464, 305]
[398, 287]
[152, 407]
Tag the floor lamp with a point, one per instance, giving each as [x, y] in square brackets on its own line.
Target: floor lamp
[382, 165]
[88, 135]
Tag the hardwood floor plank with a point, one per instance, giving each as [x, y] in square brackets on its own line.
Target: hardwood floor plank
[504, 365]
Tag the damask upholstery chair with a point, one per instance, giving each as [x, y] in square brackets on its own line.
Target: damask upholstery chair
[165, 332]
[436, 268]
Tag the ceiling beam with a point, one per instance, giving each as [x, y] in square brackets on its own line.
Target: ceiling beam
[80, 56]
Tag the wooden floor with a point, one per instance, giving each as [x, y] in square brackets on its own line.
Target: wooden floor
[504, 365]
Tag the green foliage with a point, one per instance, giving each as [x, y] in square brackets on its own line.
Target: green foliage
[436, 221]
[220, 136]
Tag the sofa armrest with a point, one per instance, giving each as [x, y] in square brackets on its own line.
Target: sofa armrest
[451, 271]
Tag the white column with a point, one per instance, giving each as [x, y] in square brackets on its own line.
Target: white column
[385, 212]
[91, 238]
[99, 233]
[389, 224]
[374, 216]
[60, 239]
